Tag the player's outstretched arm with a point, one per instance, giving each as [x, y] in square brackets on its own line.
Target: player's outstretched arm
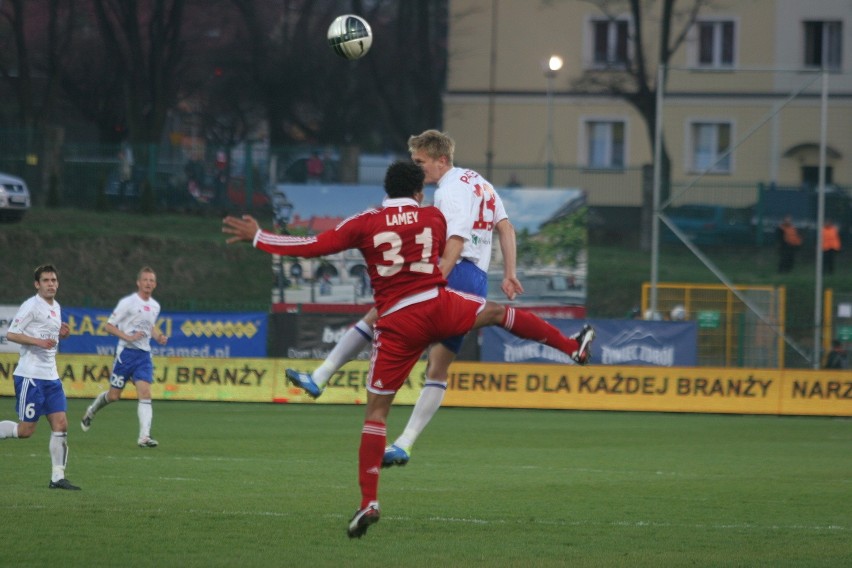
[242, 228]
[511, 286]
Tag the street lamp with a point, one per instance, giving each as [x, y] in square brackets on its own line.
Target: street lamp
[551, 67]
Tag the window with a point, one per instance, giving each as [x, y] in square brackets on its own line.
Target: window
[810, 176]
[610, 42]
[605, 143]
[823, 44]
[716, 44]
[710, 140]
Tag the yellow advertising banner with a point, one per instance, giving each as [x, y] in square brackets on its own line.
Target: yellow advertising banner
[175, 378]
[474, 384]
[827, 392]
[652, 389]
[211, 379]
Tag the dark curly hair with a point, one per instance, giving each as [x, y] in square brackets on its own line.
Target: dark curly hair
[404, 179]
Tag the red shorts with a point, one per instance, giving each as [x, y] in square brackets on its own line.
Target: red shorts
[402, 336]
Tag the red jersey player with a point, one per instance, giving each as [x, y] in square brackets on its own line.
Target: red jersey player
[401, 243]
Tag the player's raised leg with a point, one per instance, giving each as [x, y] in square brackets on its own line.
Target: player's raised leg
[356, 339]
[527, 325]
[100, 401]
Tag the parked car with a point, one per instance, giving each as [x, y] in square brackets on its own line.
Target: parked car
[14, 198]
[711, 224]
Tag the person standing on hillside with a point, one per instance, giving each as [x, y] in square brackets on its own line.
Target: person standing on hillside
[315, 168]
[830, 245]
[38, 327]
[837, 357]
[401, 243]
[473, 211]
[789, 241]
[134, 323]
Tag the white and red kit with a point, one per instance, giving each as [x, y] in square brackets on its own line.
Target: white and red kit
[472, 208]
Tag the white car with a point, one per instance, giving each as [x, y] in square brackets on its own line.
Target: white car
[14, 198]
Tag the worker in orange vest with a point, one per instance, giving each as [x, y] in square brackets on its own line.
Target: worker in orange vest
[830, 245]
[789, 242]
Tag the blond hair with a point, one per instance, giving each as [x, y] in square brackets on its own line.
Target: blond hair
[143, 270]
[434, 143]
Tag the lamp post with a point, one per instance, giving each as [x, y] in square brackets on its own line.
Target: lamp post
[551, 67]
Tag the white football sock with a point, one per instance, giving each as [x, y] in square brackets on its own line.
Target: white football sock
[100, 401]
[8, 429]
[146, 416]
[58, 454]
[427, 405]
[355, 340]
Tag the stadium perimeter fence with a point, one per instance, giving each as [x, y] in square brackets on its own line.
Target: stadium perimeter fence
[729, 333]
[772, 137]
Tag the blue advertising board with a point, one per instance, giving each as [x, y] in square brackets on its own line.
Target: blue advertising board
[617, 342]
[191, 334]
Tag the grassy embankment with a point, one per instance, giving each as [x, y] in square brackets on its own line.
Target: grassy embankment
[98, 255]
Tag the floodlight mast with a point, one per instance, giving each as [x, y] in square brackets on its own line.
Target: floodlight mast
[551, 68]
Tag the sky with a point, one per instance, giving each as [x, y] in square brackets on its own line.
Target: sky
[527, 207]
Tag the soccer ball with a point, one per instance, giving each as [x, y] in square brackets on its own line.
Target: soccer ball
[350, 36]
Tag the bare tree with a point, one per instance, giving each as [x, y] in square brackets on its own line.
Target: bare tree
[313, 96]
[149, 48]
[92, 84]
[411, 102]
[29, 65]
[636, 82]
[280, 36]
[128, 64]
[39, 33]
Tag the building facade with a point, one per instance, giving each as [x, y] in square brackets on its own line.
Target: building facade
[742, 104]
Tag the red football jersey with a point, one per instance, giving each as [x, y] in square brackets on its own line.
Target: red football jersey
[401, 243]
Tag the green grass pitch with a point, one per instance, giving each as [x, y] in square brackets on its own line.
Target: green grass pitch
[275, 485]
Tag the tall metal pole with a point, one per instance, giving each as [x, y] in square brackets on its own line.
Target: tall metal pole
[658, 167]
[550, 74]
[818, 291]
[551, 67]
[492, 74]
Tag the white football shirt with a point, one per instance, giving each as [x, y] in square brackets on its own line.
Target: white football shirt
[472, 208]
[37, 318]
[134, 314]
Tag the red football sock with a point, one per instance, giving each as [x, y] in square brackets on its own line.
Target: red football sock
[529, 326]
[373, 439]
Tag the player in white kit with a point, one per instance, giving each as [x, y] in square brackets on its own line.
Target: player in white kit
[134, 323]
[38, 327]
[473, 211]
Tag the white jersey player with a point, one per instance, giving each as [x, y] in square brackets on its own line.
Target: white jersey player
[472, 209]
[134, 323]
[38, 327]
[136, 317]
